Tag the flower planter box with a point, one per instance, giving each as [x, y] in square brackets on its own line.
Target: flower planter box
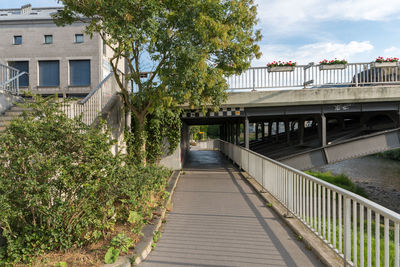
[333, 67]
[280, 68]
[384, 64]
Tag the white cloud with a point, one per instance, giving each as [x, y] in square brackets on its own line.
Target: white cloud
[315, 52]
[281, 16]
[392, 52]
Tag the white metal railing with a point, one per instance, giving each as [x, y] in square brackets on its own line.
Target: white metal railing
[9, 79]
[91, 106]
[353, 74]
[361, 231]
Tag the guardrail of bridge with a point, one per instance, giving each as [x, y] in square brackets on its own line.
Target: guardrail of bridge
[317, 75]
[91, 106]
[346, 222]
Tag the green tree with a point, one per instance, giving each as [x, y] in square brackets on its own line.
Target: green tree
[193, 45]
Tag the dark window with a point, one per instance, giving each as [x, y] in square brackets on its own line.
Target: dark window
[49, 73]
[78, 38]
[48, 39]
[22, 66]
[17, 39]
[79, 72]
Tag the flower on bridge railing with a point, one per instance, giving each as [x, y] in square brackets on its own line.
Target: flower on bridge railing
[281, 64]
[333, 62]
[389, 59]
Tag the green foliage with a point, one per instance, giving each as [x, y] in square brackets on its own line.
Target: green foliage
[192, 44]
[340, 180]
[61, 187]
[61, 264]
[156, 236]
[391, 154]
[122, 242]
[111, 255]
[161, 126]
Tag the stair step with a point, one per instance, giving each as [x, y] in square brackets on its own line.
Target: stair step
[7, 118]
[4, 123]
[12, 113]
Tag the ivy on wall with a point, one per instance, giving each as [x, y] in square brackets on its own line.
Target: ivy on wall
[162, 136]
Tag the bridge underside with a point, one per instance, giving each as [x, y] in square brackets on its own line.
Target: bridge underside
[309, 135]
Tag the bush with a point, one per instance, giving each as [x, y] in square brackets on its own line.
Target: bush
[391, 154]
[340, 180]
[61, 187]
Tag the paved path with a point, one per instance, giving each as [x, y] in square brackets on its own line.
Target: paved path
[218, 220]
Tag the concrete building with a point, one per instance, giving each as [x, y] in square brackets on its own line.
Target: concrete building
[61, 60]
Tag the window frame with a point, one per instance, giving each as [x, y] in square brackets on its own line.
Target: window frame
[39, 74]
[15, 40]
[70, 73]
[48, 35]
[80, 35]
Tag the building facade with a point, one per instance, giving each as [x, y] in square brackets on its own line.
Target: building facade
[59, 60]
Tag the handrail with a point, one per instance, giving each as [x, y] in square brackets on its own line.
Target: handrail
[316, 75]
[93, 104]
[8, 67]
[335, 215]
[94, 90]
[14, 78]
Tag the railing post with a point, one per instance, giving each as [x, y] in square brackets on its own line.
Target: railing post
[347, 229]
[356, 75]
[254, 79]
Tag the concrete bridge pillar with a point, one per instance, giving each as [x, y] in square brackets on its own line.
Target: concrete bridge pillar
[301, 131]
[232, 133]
[256, 126]
[287, 131]
[269, 129]
[246, 133]
[263, 130]
[277, 130]
[237, 133]
[323, 130]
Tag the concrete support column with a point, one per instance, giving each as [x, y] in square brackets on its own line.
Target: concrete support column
[301, 131]
[323, 130]
[342, 123]
[237, 133]
[246, 133]
[277, 131]
[269, 129]
[256, 126]
[263, 130]
[232, 133]
[287, 131]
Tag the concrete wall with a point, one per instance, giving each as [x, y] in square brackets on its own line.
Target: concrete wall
[6, 101]
[116, 122]
[176, 160]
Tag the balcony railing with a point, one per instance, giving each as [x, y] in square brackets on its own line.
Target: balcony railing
[311, 75]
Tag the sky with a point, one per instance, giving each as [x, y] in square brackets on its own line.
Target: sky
[312, 30]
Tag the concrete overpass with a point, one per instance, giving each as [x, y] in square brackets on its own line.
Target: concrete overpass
[311, 126]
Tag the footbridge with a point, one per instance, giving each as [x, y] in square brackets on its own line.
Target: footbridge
[310, 115]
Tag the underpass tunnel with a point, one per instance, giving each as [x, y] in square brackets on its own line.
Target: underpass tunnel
[277, 136]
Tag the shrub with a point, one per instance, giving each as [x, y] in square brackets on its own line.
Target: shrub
[61, 187]
[340, 180]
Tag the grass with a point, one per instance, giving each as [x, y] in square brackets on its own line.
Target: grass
[340, 180]
[373, 241]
